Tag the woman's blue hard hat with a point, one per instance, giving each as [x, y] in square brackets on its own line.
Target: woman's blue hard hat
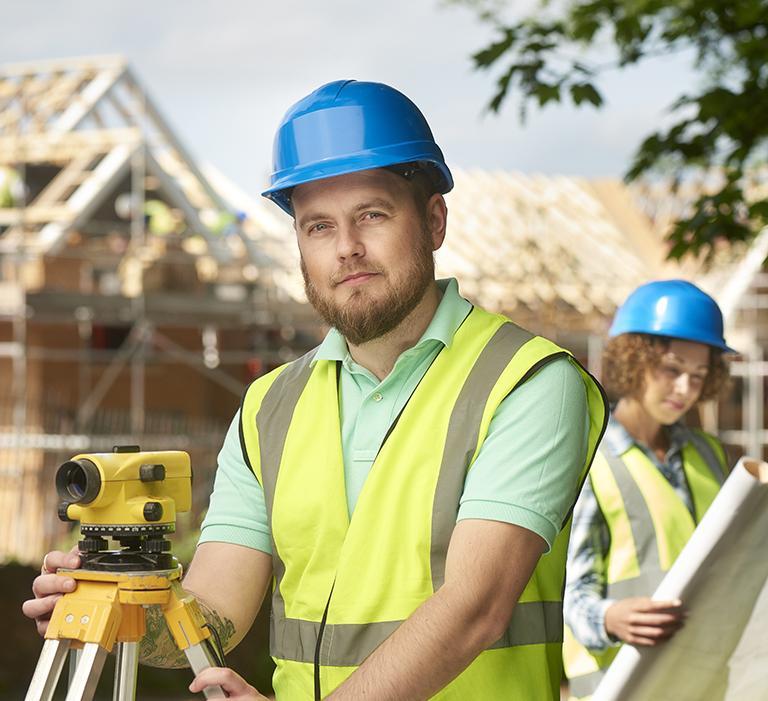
[348, 126]
[672, 308]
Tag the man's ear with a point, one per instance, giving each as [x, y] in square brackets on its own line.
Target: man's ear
[436, 219]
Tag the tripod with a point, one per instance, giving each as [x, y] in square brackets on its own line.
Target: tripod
[108, 607]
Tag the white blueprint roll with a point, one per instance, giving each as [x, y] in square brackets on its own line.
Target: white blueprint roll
[721, 653]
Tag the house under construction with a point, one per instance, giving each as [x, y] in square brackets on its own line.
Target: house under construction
[126, 282]
[140, 292]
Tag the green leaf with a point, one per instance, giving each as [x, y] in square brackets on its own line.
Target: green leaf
[545, 93]
[489, 55]
[719, 128]
[581, 92]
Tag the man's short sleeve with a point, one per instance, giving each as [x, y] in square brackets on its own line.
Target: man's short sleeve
[529, 467]
[237, 512]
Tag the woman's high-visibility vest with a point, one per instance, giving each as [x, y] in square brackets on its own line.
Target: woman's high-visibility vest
[342, 586]
[649, 525]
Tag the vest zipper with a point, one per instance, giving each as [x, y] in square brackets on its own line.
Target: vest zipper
[318, 691]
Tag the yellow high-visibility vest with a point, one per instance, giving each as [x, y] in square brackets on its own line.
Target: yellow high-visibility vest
[649, 525]
[341, 585]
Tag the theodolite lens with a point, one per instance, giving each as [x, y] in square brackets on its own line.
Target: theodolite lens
[78, 481]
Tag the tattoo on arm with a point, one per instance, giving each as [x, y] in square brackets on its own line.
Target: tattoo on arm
[158, 648]
[224, 627]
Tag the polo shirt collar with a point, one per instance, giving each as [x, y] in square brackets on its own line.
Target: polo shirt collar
[449, 315]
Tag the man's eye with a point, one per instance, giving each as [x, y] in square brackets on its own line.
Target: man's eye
[317, 227]
[372, 215]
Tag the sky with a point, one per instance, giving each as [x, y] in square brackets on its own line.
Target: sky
[223, 73]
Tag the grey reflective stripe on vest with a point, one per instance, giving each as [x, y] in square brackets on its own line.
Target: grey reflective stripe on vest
[461, 438]
[642, 585]
[643, 532]
[532, 623]
[273, 419]
[707, 452]
[586, 684]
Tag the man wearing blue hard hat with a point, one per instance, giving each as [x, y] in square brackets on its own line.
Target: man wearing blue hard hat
[652, 480]
[406, 486]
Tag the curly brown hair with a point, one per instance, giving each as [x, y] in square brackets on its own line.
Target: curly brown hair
[626, 357]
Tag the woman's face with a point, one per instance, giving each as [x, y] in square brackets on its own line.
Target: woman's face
[674, 385]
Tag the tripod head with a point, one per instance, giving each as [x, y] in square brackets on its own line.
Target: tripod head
[127, 495]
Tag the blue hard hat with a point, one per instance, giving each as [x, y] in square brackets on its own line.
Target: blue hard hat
[347, 126]
[673, 308]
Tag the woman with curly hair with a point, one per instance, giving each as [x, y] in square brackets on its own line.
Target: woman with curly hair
[652, 480]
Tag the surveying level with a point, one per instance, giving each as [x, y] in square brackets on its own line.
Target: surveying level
[131, 497]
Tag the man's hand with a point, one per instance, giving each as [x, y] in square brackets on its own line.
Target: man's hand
[236, 687]
[643, 621]
[48, 588]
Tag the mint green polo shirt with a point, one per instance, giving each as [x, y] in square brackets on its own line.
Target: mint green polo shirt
[526, 473]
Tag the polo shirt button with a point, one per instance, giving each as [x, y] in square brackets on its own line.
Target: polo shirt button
[377, 397]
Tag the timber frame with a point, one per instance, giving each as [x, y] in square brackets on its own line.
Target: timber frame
[97, 307]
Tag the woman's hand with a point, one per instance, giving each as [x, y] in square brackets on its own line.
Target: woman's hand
[643, 621]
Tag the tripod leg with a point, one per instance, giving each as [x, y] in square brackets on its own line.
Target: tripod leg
[126, 671]
[200, 658]
[48, 670]
[187, 626]
[86, 678]
[74, 660]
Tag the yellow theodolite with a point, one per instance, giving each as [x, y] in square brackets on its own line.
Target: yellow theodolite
[131, 497]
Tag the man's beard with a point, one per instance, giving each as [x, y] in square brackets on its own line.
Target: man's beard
[363, 317]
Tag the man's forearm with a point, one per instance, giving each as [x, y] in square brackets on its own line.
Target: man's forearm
[487, 567]
[158, 648]
[434, 645]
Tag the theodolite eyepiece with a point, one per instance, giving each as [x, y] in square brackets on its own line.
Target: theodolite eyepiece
[78, 481]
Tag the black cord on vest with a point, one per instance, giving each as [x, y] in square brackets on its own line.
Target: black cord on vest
[318, 690]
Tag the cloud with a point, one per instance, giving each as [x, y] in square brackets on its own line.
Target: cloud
[224, 73]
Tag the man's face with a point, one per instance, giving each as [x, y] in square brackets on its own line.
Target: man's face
[366, 251]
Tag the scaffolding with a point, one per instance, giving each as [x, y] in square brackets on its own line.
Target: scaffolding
[741, 288]
[120, 263]
[141, 291]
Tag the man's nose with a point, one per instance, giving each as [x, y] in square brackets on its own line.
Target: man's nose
[349, 243]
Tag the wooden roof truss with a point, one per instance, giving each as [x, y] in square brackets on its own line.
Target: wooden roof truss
[91, 119]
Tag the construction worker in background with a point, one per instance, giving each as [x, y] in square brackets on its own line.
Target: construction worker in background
[652, 480]
[223, 222]
[407, 483]
[161, 220]
[11, 187]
